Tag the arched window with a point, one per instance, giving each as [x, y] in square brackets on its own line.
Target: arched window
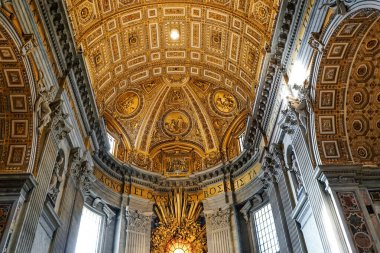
[241, 142]
[112, 143]
[90, 232]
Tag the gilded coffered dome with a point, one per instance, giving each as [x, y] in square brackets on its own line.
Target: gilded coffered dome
[174, 80]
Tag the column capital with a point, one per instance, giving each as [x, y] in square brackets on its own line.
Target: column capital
[219, 219]
[60, 127]
[81, 171]
[137, 222]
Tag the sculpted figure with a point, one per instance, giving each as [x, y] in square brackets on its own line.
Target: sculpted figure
[315, 42]
[300, 107]
[294, 168]
[339, 6]
[42, 105]
[56, 178]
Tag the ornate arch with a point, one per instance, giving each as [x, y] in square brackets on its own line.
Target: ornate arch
[346, 86]
[17, 132]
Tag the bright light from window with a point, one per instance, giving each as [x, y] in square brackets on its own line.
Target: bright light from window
[241, 142]
[89, 232]
[112, 143]
[178, 247]
[174, 34]
[266, 231]
[298, 73]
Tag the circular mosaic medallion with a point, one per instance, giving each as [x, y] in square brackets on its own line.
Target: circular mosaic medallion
[357, 125]
[85, 12]
[371, 44]
[362, 152]
[176, 123]
[362, 70]
[224, 101]
[358, 97]
[362, 240]
[128, 104]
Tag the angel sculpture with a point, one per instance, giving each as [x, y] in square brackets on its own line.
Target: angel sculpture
[42, 105]
[339, 6]
[300, 106]
[315, 42]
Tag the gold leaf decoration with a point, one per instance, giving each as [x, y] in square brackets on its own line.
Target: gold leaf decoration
[179, 225]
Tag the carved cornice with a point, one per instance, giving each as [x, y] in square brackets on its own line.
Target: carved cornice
[347, 176]
[72, 61]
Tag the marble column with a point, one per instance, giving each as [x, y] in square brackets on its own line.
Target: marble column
[138, 217]
[24, 236]
[72, 201]
[219, 231]
[347, 186]
[14, 191]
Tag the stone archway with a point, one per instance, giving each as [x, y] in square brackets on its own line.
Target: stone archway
[348, 92]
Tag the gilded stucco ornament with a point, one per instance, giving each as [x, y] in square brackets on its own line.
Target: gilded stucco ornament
[128, 104]
[176, 123]
[140, 73]
[224, 102]
[178, 222]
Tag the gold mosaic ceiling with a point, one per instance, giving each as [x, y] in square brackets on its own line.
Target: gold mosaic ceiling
[174, 103]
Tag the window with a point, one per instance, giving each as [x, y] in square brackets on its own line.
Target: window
[89, 236]
[112, 143]
[265, 230]
[241, 141]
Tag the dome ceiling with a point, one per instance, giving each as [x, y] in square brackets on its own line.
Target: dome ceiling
[175, 105]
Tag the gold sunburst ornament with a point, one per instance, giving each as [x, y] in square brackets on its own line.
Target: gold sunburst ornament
[179, 229]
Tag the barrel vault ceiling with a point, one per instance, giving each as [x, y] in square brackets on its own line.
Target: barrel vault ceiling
[176, 104]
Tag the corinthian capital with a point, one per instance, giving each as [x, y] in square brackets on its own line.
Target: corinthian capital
[278, 156]
[81, 171]
[137, 222]
[219, 220]
[59, 123]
